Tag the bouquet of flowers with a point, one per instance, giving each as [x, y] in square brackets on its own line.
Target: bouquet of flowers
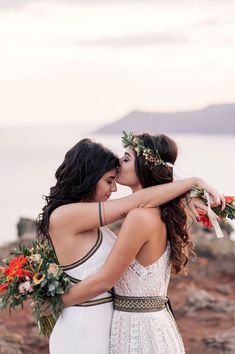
[224, 215]
[33, 274]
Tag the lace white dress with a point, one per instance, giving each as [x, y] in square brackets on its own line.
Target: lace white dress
[149, 332]
[86, 329]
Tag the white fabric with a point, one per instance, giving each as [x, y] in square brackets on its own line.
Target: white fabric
[212, 217]
[85, 330]
[145, 333]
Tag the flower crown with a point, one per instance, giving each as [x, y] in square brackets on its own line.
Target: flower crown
[137, 144]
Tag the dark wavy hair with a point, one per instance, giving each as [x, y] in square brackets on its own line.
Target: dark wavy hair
[172, 213]
[76, 179]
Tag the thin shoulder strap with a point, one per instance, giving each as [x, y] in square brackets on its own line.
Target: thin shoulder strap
[100, 215]
[53, 247]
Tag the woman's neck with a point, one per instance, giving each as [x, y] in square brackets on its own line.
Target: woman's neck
[136, 188]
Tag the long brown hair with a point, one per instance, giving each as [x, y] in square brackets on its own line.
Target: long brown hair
[172, 213]
[76, 179]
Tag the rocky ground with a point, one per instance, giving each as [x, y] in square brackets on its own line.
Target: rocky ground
[203, 302]
[204, 305]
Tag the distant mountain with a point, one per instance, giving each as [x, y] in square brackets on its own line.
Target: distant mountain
[216, 119]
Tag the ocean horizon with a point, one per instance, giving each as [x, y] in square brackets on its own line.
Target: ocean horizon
[30, 156]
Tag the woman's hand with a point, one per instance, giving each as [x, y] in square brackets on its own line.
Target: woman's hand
[45, 309]
[193, 204]
[216, 198]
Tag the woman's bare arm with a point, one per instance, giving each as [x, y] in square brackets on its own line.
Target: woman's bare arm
[133, 234]
[78, 217]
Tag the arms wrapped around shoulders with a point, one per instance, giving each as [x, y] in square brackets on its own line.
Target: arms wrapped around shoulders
[85, 216]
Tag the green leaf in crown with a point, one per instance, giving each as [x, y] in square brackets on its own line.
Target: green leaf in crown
[137, 144]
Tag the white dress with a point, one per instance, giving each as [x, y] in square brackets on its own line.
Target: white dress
[149, 332]
[86, 329]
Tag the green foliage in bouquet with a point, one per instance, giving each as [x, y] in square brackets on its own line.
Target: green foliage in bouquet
[32, 273]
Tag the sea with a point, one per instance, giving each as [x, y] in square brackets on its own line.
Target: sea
[29, 157]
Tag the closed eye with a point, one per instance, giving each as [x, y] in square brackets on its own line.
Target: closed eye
[126, 157]
[111, 180]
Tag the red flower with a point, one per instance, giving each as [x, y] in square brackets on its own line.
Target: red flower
[229, 199]
[16, 269]
[3, 287]
[204, 219]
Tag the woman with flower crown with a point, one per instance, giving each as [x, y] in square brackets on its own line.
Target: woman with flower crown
[152, 243]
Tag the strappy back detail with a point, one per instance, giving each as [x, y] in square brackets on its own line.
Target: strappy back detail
[84, 258]
[76, 281]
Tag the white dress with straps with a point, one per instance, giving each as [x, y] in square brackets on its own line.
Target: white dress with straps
[149, 332]
[86, 329]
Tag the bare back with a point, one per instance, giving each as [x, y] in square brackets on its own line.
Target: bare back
[156, 242]
[70, 246]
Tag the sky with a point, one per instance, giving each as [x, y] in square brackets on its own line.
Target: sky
[91, 62]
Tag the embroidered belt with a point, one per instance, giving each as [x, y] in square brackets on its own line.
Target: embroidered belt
[139, 304]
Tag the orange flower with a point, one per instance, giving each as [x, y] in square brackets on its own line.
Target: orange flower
[3, 287]
[204, 219]
[16, 269]
[229, 199]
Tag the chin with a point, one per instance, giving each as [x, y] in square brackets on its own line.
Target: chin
[119, 181]
[105, 198]
[122, 181]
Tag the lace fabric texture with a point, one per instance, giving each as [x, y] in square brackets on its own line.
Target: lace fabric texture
[145, 333]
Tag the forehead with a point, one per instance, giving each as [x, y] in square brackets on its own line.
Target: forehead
[129, 152]
[110, 174]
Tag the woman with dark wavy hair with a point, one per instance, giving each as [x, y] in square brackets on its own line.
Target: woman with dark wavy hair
[153, 240]
[72, 220]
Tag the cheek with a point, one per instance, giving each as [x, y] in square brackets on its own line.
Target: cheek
[130, 170]
[102, 188]
[127, 175]
[126, 168]
[99, 191]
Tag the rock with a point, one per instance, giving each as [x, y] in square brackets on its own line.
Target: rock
[224, 342]
[11, 343]
[225, 289]
[26, 226]
[115, 226]
[202, 299]
[228, 266]
[199, 299]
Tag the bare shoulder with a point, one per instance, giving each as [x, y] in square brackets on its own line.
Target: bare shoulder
[63, 215]
[147, 218]
[58, 214]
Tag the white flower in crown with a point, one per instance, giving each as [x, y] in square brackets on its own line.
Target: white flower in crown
[135, 140]
[137, 150]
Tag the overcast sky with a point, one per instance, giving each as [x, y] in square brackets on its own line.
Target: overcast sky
[94, 61]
